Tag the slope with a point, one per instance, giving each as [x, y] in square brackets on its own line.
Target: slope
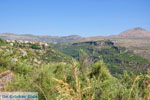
[117, 58]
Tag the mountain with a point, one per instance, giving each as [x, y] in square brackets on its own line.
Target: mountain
[135, 32]
[42, 38]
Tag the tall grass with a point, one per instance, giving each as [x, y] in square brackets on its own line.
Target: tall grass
[67, 82]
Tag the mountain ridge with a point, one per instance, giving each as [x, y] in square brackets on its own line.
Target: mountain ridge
[137, 32]
[42, 38]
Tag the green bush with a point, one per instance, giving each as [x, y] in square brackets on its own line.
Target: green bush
[35, 46]
[59, 81]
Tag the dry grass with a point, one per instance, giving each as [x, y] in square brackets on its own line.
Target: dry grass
[41, 90]
[67, 92]
[147, 95]
[2, 74]
[148, 88]
[136, 79]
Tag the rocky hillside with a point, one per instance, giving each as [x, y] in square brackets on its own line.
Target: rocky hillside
[28, 37]
[34, 53]
[117, 58]
[136, 40]
[20, 57]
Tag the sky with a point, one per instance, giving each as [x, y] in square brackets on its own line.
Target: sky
[67, 17]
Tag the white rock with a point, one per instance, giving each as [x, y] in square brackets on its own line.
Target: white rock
[35, 60]
[11, 44]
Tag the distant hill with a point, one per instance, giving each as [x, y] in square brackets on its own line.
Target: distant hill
[42, 38]
[135, 39]
[135, 32]
[130, 33]
[127, 34]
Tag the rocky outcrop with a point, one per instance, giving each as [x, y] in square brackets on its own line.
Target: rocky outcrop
[96, 43]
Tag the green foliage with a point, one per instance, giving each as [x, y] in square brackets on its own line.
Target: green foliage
[52, 55]
[36, 79]
[59, 81]
[134, 58]
[100, 72]
[2, 42]
[116, 58]
[35, 46]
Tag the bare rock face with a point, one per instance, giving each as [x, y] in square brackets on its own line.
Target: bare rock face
[135, 32]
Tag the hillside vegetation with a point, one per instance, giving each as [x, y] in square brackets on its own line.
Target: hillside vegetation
[56, 76]
[117, 58]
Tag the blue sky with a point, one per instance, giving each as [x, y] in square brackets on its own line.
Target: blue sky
[66, 17]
